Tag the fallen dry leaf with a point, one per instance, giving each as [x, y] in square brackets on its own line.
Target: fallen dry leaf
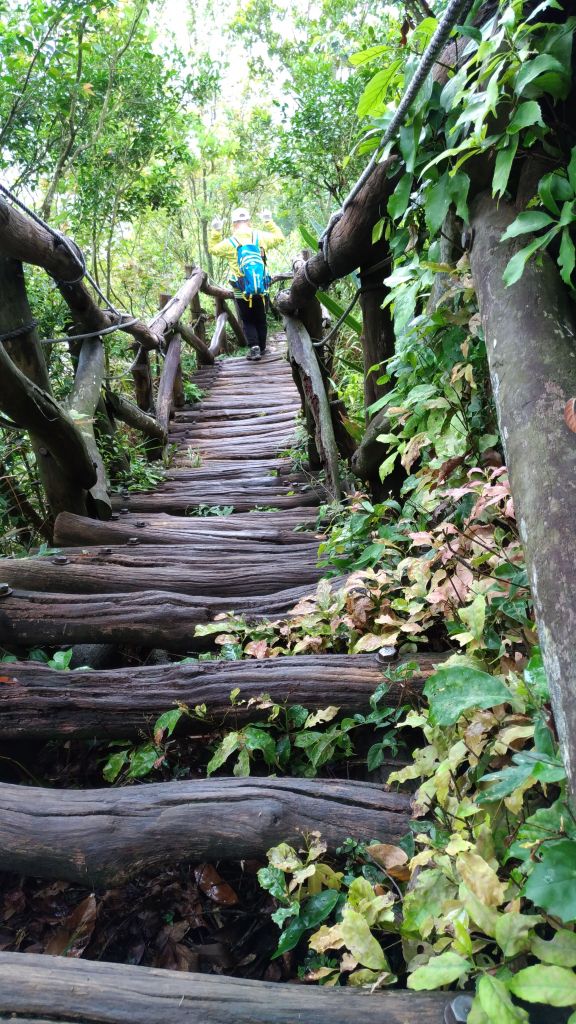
[76, 930]
[213, 886]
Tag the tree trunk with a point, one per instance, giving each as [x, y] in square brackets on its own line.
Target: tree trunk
[135, 417]
[81, 405]
[530, 330]
[378, 340]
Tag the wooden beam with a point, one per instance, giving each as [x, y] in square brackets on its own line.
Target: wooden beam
[135, 417]
[37, 988]
[165, 397]
[105, 836]
[205, 357]
[43, 703]
[218, 343]
[81, 406]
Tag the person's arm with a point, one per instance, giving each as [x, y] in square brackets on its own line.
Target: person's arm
[272, 234]
[216, 245]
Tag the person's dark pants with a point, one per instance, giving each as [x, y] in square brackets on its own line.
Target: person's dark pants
[253, 317]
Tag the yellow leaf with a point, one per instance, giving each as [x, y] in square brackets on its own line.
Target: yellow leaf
[481, 879]
[326, 938]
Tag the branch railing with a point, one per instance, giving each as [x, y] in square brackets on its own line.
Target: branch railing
[62, 433]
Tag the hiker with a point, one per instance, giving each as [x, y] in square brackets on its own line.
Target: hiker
[250, 280]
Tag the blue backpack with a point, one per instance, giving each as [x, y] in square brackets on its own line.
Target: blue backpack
[253, 278]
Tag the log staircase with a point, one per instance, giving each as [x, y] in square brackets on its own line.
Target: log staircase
[145, 579]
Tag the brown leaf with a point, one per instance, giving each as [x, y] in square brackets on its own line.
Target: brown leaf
[75, 933]
[393, 859]
[570, 414]
[213, 886]
[448, 467]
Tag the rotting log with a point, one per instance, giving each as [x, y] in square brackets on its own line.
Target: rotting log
[350, 240]
[135, 417]
[165, 397]
[105, 836]
[39, 702]
[150, 618]
[302, 354]
[70, 529]
[530, 330]
[37, 988]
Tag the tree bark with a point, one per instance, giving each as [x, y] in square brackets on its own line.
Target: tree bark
[530, 330]
[149, 618]
[104, 836]
[41, 702]
[38, 988]
[378, 341]
[81, 406]
[218, 343]
[165, 398]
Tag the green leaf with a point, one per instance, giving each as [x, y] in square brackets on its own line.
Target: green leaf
[365, 56]
[532, 70]
[114, 765]
[496, 1003]
[527, 114]
[309, 239]
[453, 689]
[559, 950]
[504, 161]
[387, 466]
[377, 230]
[438, 200]
[360, 941]
[535, 676]
[514, 932]
[168, 721]
[312, 913]
[440, 970]
[554, 986]
[525, 223]
[225, 748]
[373, 99]
[504, 782]
[142, 761]
[398, 201]
[566, 256]
[337, 310]
[552, 884]
[260, 739]
[474, 616]
[515, 266]
[572, 169]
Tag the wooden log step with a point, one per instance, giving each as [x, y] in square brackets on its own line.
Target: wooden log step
[105, 836]
[71, 529]
[199, 555]
[151, 618]
[37, 989]
[179, 501]
[102, 574]
[43, 703]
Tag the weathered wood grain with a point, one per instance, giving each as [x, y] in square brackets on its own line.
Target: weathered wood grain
[104, 836]
[151, 618]
[39, 988]
[42, 702]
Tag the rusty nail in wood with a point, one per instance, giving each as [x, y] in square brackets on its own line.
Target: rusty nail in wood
[5, 590]
[60, 560]
[386, 654]
[140, 523]
[133, 540]
[124, 511]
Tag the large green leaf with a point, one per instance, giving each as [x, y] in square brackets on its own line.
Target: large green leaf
[496, 1002]
[453, 689]
[440, 970]
[554, 986]
[375, 94]
[552, 884]
[559, 950]
[525, 223]
[312, 913]
[360, 941]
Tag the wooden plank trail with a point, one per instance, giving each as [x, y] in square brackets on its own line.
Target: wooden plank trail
[144, 579]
